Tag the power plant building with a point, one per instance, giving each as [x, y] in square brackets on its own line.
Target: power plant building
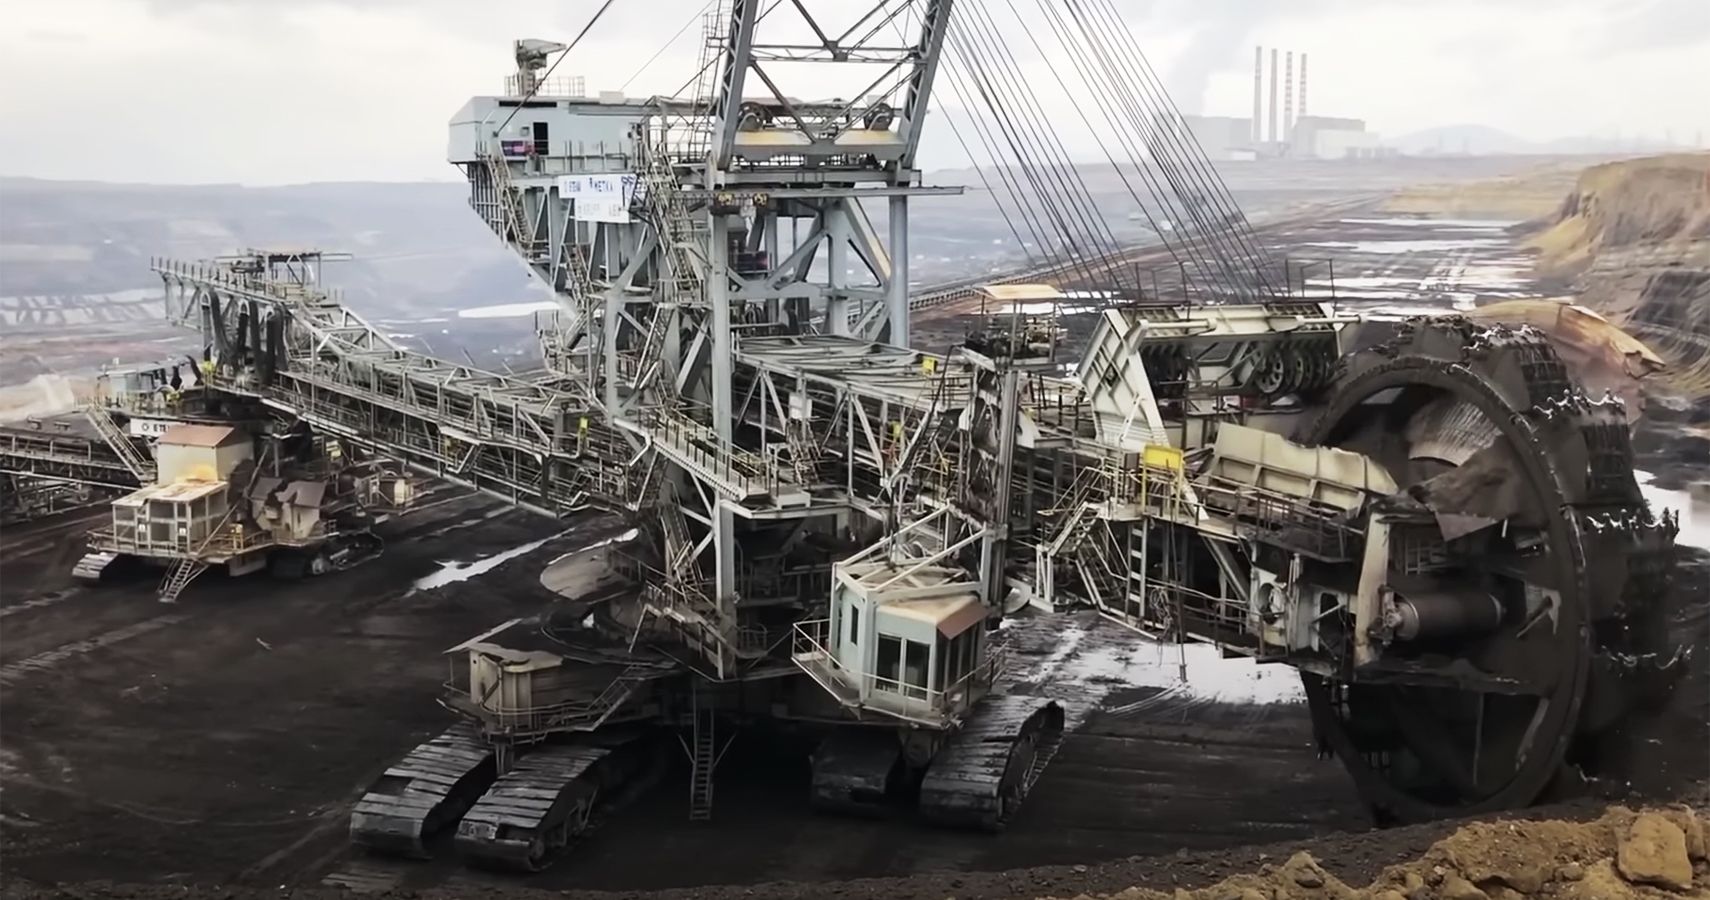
[1331, 137]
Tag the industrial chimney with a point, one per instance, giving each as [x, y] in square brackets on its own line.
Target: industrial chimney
[1258, 98]
[1303, 85]
[1273, 113]
[1288, 98]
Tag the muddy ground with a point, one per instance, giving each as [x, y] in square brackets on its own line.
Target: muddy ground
[224, 740]
[221, 740]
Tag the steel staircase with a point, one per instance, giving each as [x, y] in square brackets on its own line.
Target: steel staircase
[178, 577]
[596, 712]
[804, 455]
[135, 460]
[703, 760]
[507, 216]
[648, 360]
[682, 233]
[679, 545]
[511, 222]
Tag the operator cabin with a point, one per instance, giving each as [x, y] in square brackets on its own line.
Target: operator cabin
[189, 498]
[907, 641]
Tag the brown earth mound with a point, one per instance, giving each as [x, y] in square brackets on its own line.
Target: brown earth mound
[1533, 194]
[1659, 204]
[1622, 856]
[1632, 241]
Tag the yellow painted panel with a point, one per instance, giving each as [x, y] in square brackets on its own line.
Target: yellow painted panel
[1156, 456]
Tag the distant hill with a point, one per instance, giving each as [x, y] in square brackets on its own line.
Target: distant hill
[1464, 140]
[1483, 140]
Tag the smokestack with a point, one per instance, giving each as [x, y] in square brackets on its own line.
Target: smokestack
[1258, 97]
[1288, 97]
[1303, 85]
[1273, 114]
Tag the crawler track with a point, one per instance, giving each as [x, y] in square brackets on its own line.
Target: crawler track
[852, 771]
[984, 772]
[532, 812]
[423, 794]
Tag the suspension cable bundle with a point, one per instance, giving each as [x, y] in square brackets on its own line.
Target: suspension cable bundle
[1118, 98]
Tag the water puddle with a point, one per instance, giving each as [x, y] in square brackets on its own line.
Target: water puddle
[1437, 224]
[629, 535]
[1091, 659]
[1389, 247]
[455, 571]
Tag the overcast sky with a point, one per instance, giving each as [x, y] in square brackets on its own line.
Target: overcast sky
[285, 91]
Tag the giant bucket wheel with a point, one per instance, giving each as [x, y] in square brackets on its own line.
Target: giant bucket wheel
[1507, 465]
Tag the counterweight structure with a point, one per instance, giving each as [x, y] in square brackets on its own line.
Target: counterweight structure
[831, 522]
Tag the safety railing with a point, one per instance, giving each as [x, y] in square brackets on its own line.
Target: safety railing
[237, 539]
[937, 707]
[571, 86]
[742, 471]
[1160, 490]
[69, 449]
[582, 714]
[1284, 520]
[226, 541]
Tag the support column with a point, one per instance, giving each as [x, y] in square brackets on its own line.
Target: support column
[608, 338]
[770, 222]
[724, 570]
[718, 294]
[836, 259]
[896, 294]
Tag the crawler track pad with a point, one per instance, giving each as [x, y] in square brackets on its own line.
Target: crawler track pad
[424, 793]
[531, 813]
[986, 769]
[852, 770]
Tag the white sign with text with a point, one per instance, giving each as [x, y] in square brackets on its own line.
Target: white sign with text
[599, 198]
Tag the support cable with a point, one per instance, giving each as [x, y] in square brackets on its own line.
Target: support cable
[1237, 219]
[979, 171]
[1182, 156]
[996, 91]
[1044, 212]
[1165, 197]
[1072, 188]
[1145, 118]
[1102, 146]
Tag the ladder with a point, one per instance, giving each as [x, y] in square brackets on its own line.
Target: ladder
[510, 221]
[679, 545]
[703, 759]
[178, 577]
[804, 456]
[139, 464]
[681, 233]
[714, 25]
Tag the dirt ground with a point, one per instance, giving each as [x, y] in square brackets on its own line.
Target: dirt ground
[223, 743]
[1561, 846]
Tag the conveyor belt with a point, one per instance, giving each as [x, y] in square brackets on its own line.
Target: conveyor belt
[424, 793]
[983, 773]
[63, 457]
[532, 812]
